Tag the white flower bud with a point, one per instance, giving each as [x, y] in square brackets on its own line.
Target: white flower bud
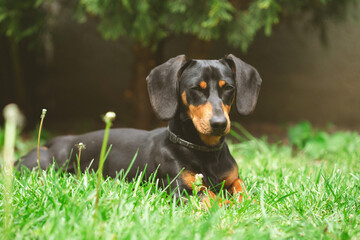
[109, 116]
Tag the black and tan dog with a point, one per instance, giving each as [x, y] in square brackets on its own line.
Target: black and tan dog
[195, 96]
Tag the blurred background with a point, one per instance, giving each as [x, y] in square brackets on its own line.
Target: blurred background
[80, 59]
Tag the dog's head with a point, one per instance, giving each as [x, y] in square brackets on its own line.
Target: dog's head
[206, 89]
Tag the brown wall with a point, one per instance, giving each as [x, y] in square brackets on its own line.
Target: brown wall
[303, 79]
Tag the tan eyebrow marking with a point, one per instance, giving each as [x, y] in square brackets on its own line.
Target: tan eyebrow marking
[222, 83]
[203, 84]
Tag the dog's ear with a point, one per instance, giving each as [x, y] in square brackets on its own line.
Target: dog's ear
[248, 82]
[163, 86]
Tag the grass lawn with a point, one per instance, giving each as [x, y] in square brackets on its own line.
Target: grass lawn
[309, 190]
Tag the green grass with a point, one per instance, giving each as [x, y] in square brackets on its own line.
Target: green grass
[298, 195]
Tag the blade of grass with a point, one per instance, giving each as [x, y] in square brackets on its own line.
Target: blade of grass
[285, 196]
[129, 168]
[243, 131]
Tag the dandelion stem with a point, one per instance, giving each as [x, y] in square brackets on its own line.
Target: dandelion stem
[38, 143]
[108, 118]
[80, 146]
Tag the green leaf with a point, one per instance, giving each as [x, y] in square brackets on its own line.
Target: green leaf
[38, 3]
[299, 134]
[3, 16]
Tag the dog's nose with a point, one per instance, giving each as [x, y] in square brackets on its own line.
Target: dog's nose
[218, 124]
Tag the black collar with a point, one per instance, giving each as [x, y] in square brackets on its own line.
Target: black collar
[175, 139]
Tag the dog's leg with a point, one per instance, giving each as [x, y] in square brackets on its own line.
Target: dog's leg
[30, 160]
[58, 149]
[238, 187]
[190, 181]
[208, 197]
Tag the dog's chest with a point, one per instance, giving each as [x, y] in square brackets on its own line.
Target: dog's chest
[214, 175]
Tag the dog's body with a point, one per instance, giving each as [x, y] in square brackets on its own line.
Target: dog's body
[196, 97]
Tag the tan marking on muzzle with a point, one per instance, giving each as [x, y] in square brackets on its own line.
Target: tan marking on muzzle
[201, 115]
[209, 140]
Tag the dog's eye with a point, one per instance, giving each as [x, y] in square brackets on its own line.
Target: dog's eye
[197, 88]
[229, 88]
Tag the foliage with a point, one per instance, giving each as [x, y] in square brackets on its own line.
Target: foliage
[21, 19]
[319, 144]
[295, 197]
[150, 21]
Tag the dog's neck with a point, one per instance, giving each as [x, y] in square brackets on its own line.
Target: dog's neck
[183, 127]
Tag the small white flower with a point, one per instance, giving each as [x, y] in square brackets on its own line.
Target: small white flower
[80, 145]
[43, 113]
[109, 116]
[198, 179]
